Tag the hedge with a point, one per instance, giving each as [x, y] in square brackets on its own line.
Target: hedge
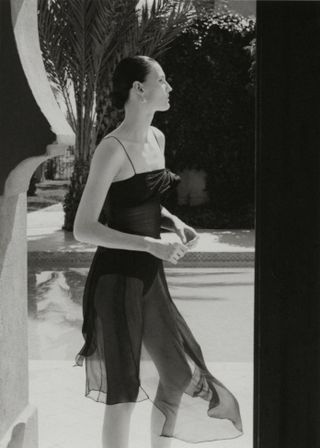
[210, 124]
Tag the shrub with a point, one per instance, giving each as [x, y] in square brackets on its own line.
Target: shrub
[211, 123]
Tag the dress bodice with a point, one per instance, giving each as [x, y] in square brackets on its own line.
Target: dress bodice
[141, 187]
[133, 205]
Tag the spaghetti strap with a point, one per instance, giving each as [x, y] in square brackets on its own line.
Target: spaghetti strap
[124, 151]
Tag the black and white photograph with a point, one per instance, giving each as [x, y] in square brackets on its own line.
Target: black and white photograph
[159, 223]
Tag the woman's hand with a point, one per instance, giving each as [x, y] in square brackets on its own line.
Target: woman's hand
[186, 233]
[165, 250]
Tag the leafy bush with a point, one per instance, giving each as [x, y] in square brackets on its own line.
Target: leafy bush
[50, 168]
[210, 125]
[206, 217]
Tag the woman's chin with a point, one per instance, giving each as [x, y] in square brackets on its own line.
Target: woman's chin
[163, 107]
[167, 105]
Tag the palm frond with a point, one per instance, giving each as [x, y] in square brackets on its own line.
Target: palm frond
[161, 23]
[82, 42]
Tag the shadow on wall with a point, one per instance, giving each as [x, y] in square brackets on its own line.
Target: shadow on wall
[8, 207]
[25, 131]
[17, 436]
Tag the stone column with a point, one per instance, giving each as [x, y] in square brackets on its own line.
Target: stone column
[30, 131]
[18, 419]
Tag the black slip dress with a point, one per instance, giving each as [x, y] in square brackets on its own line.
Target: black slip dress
[137, 344]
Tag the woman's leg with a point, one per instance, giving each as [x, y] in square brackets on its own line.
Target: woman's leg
[116, 425]
[158, 422]
[163, 342]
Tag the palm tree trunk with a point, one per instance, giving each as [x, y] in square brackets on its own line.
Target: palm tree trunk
[72, 198]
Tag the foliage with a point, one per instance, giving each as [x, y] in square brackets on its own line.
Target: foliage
[82, 41]
[208, 217]
[210, 125]
[204, 7]
[73, 196]
[50, 168]
[155, 28]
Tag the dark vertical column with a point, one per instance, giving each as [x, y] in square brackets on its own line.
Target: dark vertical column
[24, 130]
[287, 283]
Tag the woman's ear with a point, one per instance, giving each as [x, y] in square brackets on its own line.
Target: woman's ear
[137, 87]
[139, 90]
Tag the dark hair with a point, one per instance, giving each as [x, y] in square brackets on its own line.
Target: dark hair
[130, 69]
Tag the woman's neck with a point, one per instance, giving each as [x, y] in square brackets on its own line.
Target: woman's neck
[136, 124]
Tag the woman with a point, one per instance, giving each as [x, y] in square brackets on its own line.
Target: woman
[127, 305]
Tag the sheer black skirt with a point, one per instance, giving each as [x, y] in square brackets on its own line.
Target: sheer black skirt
[138, 346]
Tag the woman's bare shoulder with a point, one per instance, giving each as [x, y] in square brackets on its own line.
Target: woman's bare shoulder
[160, 136]
[157, 131]
[108, 152]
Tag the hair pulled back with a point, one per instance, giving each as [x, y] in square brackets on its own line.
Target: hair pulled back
[130, 69]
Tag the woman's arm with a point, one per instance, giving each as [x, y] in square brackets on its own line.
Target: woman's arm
[168, 220]
[186, 233]
[105, 164]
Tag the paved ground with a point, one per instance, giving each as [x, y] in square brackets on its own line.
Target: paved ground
[217, 303]
[67, 419]
[47, 242]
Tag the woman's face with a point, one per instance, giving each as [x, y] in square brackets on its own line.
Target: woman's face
[156, 89]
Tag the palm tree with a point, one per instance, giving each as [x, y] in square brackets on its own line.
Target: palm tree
[81, 42]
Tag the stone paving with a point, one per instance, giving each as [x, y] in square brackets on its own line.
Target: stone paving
[67, 419]
[217, 304]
